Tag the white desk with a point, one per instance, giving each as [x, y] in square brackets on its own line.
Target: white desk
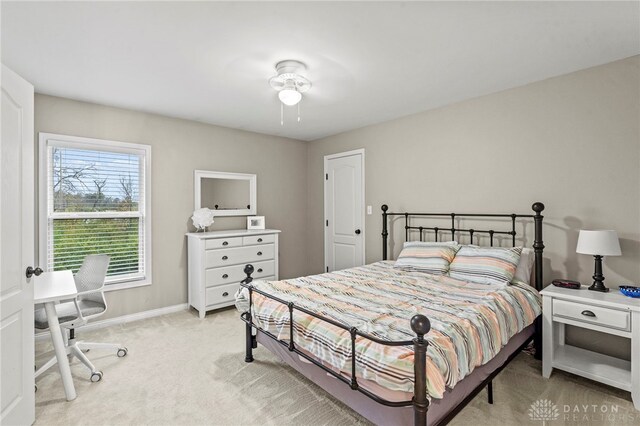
[50, 288]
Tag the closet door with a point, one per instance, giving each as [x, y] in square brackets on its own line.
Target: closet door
[344, 210]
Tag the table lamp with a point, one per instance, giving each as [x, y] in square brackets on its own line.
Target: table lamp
[598, 244]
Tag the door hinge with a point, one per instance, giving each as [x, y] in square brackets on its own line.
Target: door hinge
[326, 176]
[327, 222]
[327, 269]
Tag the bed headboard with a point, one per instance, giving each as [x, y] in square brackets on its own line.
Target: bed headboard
[506, 219]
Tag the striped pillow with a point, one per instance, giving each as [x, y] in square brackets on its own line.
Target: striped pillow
[485, 265]
[432, 258]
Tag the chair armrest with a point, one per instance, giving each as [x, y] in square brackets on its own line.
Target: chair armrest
[84, 293]
[80, 317]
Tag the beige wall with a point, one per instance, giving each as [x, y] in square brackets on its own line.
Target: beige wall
[178, 148]
[572, 142]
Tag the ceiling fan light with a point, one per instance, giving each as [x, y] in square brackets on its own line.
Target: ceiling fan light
[289, 97]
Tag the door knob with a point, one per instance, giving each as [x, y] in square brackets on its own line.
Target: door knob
[31, 272]
[357, 232]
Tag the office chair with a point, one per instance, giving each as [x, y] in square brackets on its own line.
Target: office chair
[89, 304]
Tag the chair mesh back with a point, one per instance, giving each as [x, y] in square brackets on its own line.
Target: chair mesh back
[92, 274]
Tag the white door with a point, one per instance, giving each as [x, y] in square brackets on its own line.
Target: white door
[344, 210]
[17, 170]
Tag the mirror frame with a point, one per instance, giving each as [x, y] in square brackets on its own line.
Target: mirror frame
[204, 174]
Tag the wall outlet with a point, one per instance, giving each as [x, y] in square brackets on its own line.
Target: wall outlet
[369, 211]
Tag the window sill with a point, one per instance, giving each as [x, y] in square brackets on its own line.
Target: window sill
[127, 284]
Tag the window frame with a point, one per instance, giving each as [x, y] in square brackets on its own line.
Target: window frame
[45, 208]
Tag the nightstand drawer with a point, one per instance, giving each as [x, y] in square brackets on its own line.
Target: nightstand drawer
[605, 317]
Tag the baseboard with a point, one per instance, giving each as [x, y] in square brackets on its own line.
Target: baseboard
[94, 325]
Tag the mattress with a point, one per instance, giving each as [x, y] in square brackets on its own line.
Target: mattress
[470, 323]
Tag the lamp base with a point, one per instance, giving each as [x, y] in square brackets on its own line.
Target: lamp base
[598, 286]
[598, 278]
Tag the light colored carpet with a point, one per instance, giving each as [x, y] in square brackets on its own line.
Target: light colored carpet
[181, 370]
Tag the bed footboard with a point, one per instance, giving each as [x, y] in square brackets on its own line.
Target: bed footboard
[420, 325]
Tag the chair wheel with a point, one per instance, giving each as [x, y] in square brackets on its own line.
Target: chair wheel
[122, 352]
[96, 376]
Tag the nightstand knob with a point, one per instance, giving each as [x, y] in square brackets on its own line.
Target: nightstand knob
[259, 253]
[588, 313]
[259, 269]
[259, 240]
[224, 257]
[225, 276]
[225, 294]
[225, 243]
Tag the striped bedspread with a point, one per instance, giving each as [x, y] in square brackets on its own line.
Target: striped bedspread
[470, 323]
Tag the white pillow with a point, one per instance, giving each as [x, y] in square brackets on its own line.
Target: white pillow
[525, 265]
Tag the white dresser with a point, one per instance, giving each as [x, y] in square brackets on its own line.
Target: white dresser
[217, 260]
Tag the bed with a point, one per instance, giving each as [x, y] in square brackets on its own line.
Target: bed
[424, 344]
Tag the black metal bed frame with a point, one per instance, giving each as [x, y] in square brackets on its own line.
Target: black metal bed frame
[419, 323]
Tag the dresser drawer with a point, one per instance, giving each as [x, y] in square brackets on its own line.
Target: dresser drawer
[223, 243]
[263, 269]
[235, 273]
[258, 239]
[221, 294]
[236, 255]
[605, 317]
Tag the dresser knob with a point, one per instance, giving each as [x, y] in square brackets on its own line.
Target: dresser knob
[588, 313]
[259, 269]
[259, 253]
[259, 240]
[225, 276]
[224, 257]
[225, 294]
[225, 243]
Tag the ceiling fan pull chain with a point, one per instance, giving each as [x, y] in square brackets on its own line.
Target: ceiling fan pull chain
[281, 114]
[298, 112]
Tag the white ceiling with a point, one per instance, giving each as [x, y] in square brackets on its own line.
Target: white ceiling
[369, 62]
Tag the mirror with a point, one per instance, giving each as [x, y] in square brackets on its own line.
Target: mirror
[227, 194]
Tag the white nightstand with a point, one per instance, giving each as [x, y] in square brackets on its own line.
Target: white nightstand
[611, 313]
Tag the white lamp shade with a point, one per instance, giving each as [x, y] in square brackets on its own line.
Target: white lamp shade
[602, 243]
[289, 97]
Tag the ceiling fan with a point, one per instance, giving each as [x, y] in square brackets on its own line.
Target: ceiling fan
[290, 84]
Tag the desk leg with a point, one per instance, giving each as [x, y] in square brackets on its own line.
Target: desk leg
[61, 351]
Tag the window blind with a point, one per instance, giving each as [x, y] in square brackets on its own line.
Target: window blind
[96, 205]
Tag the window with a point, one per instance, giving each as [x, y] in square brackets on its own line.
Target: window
[95, 199]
